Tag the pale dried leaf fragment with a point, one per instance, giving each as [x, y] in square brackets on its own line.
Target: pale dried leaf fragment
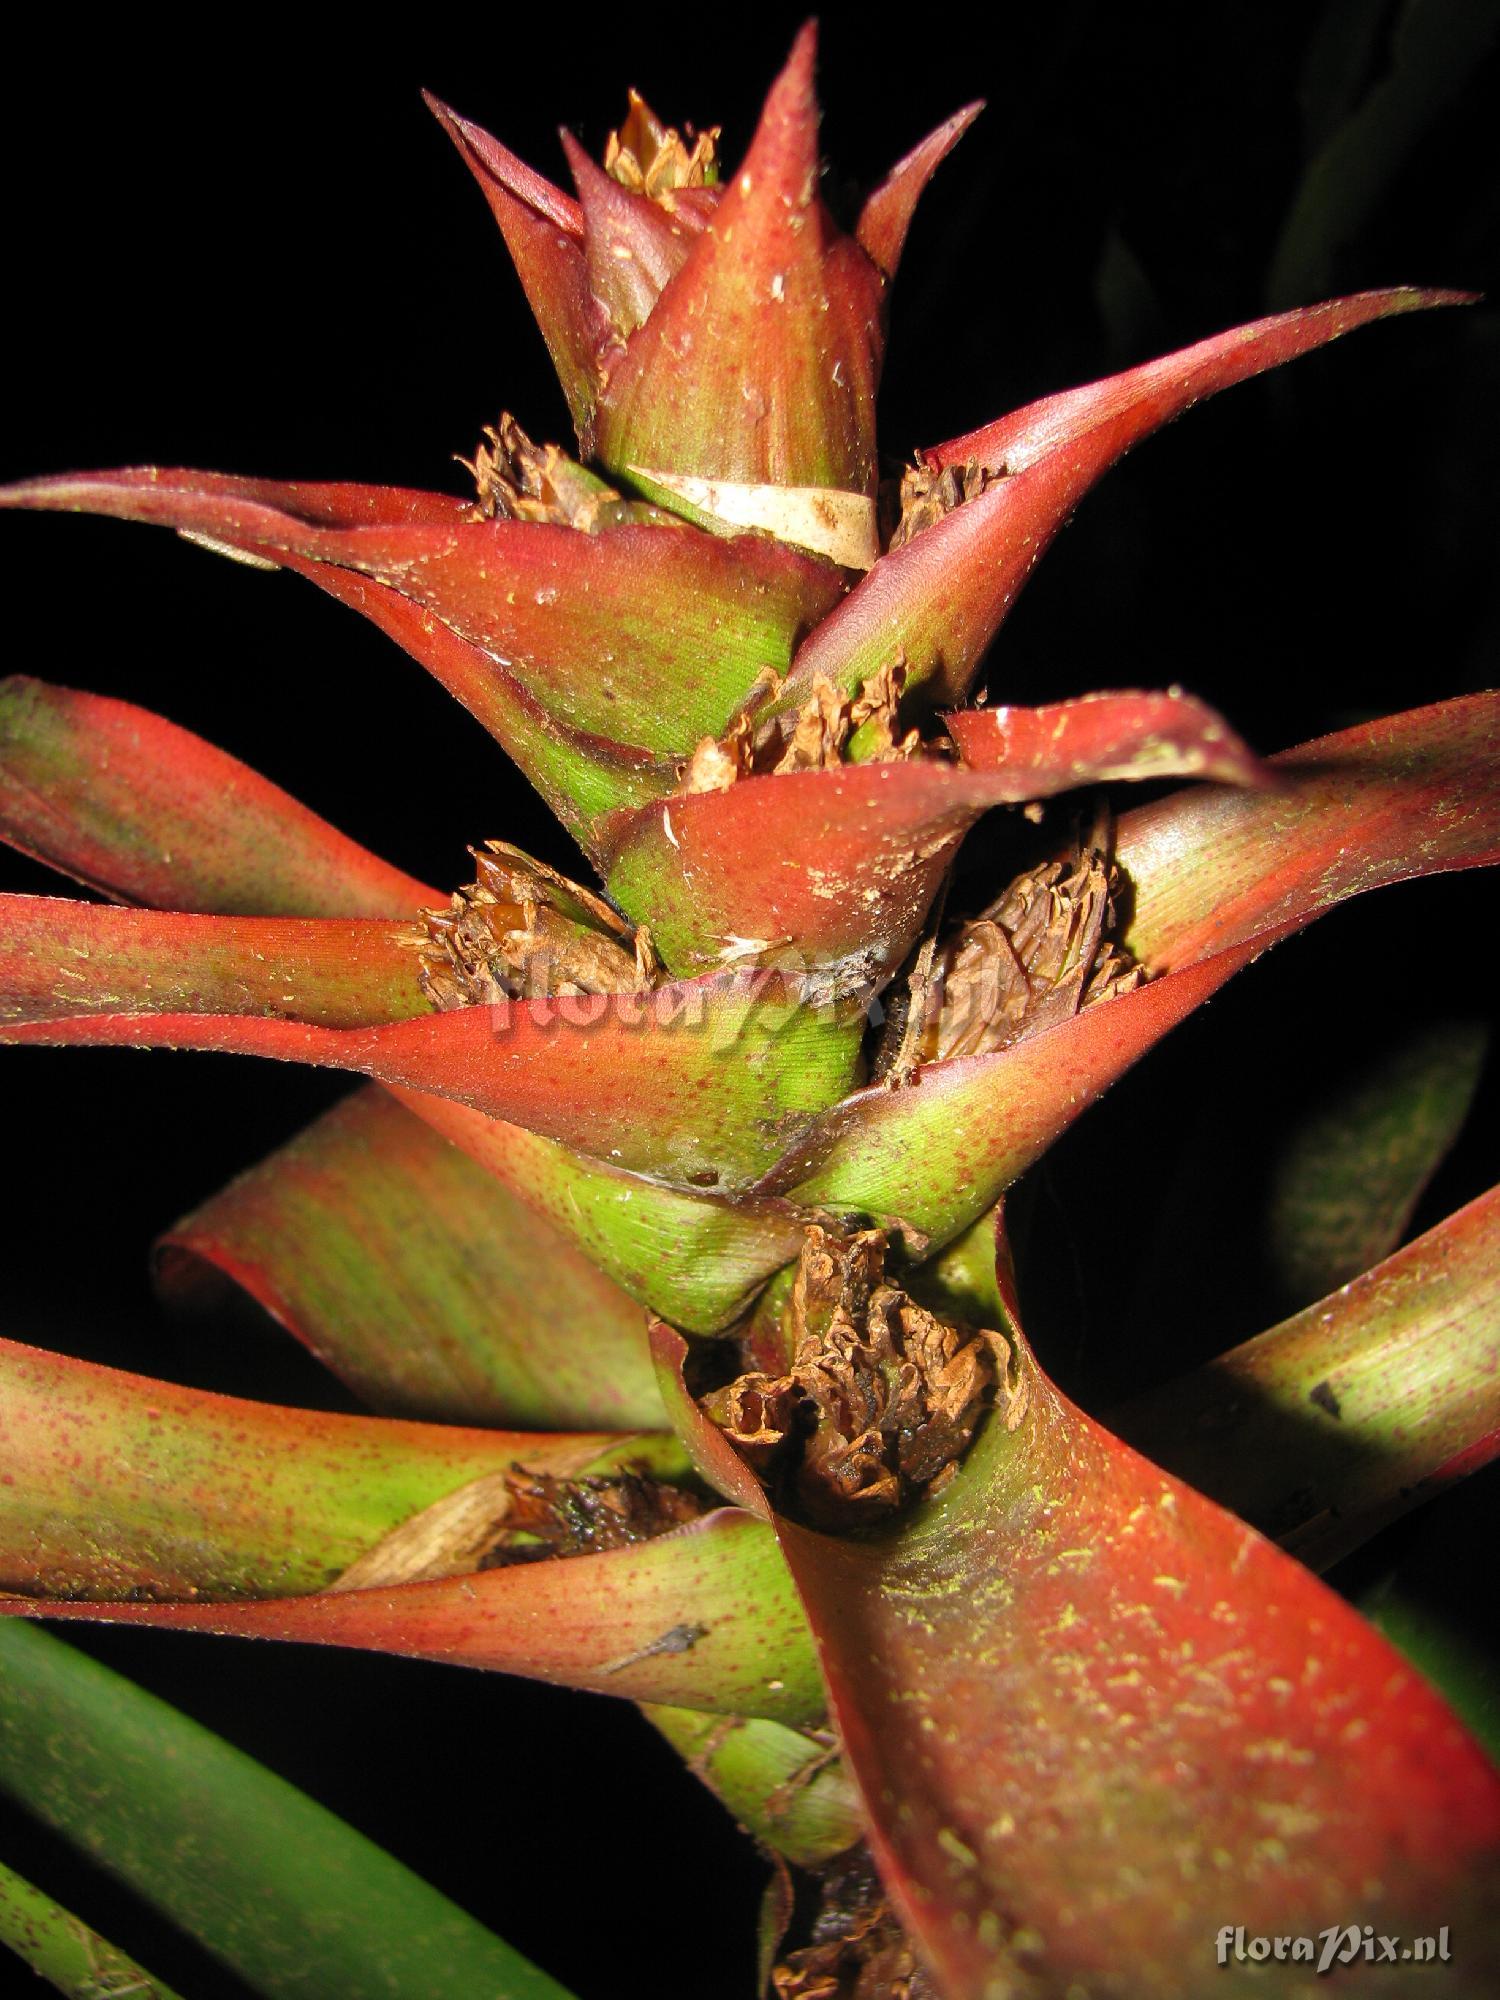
[446, 1539]
[881, 1399]
[521, 930]
[518, 1516]
[825, 520]
[516, 480]
[814, 737]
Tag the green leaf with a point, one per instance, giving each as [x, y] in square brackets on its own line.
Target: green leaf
[64, 1951]
[1354, 1167]
[786, 1786]
[292, 1899]
[420, 1279]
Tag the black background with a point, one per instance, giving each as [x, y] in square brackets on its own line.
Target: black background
[245, 245]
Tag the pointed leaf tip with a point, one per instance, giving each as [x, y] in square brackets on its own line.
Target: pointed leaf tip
[543, 230]
[781, 314]
[887, 214]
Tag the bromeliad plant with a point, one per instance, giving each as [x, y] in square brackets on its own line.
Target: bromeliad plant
[667, 1229]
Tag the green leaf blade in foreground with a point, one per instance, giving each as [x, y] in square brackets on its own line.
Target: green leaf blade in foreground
[290, 1897]
[65, 1952]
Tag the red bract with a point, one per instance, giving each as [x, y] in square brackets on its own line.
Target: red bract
[663, 1235]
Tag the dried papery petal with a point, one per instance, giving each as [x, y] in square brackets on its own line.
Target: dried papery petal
[881, 1398]
[1037, 955]
[651, 158]
[516, 480]
[522, 931]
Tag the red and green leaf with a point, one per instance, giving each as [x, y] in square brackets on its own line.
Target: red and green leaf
[704, 1082]
[543, 230]
[939, 600]
[119, 1486]
[143, 811]
[1411, 794]
[422, 1281]
[1322, 1430]
[1079, 1699]
[787, 1787]
[1217, 875]
[645, 637]
[781, 314]
[698, 1258]
[703, 1617]
[60, 960]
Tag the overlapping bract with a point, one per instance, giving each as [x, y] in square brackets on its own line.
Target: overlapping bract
[528, 1176]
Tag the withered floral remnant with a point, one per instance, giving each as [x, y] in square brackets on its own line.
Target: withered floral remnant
[1036, 956]
[574, 1517]
[517, 1517]
[652, 159]
[857, 1950]
[516, 480]
[882, 1396]
[927, 493]
[520, 930]
[813, 737]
